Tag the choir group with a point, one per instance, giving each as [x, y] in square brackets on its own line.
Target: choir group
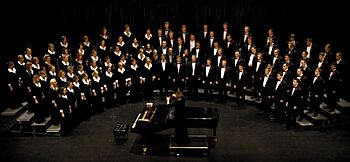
[71, 82]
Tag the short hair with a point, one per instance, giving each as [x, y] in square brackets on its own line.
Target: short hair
[75, 77]
[322, 54]
[10, 63]
[334, 64]
[340, 54]
[319, 69]
[298, 80]
[52, 80]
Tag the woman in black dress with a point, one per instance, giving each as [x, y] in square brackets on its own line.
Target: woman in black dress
[181, 133]
[65, 111]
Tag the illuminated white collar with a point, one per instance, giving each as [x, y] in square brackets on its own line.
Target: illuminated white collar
[87, 43]
[81, 72]
[109, 74]
[63, 79]
[96, 79]
[148, 38]
[122, 70]
[70, 75]
[52, 73]
[38, 84]
[86, 81]
[13, 70]
[51, 52]
[76, 84]
[148, 67]
[64, 45]
[35, 66]
[127, 34]
[121, 44]
[65, 63]
[21, 63]
[118, 53]
[103, 48]
[43, 79]
[134, 67]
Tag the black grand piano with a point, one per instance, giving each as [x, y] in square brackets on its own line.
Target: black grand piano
[155, 118]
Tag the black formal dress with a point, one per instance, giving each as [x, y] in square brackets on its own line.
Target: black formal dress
[181, 133]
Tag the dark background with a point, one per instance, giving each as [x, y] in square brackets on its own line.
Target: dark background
[38, 23]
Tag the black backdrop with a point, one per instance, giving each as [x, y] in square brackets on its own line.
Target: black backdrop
[29, 23]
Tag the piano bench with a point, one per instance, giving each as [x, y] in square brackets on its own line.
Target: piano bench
[120, 133]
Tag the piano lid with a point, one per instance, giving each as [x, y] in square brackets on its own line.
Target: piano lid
[200, 113]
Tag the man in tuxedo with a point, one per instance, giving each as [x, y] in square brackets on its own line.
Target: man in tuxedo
[245, 48]
[223, 34]
[240, 84]
[218, 57]
[208, 78]
[322, 63]
[164, 48]
[166, 30]
[311, 49]
[287, 74]
[210, 41]
[172, 42]
[316, 92]
[303, 83]
[229, 46]
[237, 60]
[333, 86]
[258, 72]
[222, 80]
[203, 35]
[158, 39]
[184, 34]
[267, 90]
[178, 74]
[276, 61]
[245, 35]
[180, 48]
[341, 64]
[163, 69]
[193, 76]
[170, 57]
[192, 42]
[199, 53]
[279, 98]
[270, 47]
[293, 104]
[292, 51]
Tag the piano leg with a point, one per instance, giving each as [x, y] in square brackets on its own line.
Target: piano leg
[214, 132]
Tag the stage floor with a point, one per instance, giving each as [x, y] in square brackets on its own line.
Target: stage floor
[242, 135]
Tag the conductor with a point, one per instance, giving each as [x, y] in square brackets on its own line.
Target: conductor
[181, 133]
